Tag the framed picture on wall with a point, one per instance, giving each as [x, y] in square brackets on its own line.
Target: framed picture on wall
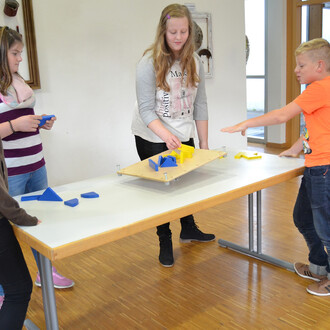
[203, 40]
[23, 22]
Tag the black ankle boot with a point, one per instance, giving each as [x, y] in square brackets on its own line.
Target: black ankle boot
[166, 251]
[165, 245]
[190, 231]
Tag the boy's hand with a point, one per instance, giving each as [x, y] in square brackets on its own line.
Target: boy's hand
[241, 127]
[27, 123]
[49, 123]
[288, 153]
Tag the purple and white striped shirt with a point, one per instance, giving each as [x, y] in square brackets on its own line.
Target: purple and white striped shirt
[23, 150]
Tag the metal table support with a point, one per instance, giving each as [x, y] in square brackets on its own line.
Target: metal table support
[250, 251]
[48, 293]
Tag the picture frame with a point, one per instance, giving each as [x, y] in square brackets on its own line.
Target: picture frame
[203, 39]
[23, 22]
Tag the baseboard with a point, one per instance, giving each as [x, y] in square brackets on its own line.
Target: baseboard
[276, 145]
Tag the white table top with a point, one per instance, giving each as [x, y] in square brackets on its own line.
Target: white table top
[128, 204]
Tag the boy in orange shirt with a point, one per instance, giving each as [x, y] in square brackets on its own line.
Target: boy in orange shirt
[312, 209]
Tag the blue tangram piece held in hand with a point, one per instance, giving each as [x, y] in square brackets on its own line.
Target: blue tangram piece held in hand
[44, 119]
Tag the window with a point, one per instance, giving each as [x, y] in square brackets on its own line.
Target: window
[306, 26]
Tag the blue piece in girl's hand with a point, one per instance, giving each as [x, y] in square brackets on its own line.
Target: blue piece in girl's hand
[44, 119]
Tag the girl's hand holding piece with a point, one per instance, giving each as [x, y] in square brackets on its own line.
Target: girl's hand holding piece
[49, 123]
[27, 123]
[172, 142]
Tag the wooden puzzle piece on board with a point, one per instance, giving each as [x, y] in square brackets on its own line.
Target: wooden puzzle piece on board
[185, 152]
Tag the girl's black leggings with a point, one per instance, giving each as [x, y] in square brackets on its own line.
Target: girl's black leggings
[148, 149]
[15, 279]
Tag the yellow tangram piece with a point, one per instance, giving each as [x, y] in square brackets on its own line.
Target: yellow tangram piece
[247, 155]
[174, 154]
[186, 148]
[185, 152]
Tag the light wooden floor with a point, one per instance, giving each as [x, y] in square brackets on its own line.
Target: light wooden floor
[122, 285]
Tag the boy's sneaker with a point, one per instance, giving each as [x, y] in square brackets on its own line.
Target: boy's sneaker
[303, 271]
[60, 282]
[320, 289]
[2, 298]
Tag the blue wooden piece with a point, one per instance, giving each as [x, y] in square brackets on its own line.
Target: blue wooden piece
[160, 160]
[153, 165]
[72, 202]
[30, 198]
[168, 162]
[91, 194]
[44, 119]
[50, 195]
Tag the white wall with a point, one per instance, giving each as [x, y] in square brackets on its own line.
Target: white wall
[87, 54]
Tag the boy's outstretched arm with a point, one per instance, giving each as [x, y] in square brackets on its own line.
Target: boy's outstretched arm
[274, 117]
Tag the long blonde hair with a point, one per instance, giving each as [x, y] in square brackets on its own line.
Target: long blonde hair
[7, 39]
[162, 55]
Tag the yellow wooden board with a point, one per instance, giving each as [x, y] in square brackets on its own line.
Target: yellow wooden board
[167, 174]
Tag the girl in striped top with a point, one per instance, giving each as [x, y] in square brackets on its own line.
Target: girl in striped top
[19, 130]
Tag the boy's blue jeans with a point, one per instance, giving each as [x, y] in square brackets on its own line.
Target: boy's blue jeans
[23, 184]
[312, 216]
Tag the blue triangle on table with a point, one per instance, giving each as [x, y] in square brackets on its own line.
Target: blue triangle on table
[72, 202]
[50, 195]
[91, 194]
[30, 198]
[168, 162]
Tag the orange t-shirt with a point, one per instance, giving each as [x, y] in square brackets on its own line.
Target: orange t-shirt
[315, 102]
